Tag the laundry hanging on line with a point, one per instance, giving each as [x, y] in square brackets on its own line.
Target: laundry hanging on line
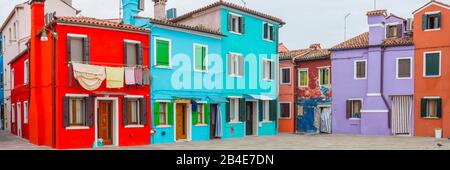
[130, 78]
[90, 77]
[115, 77]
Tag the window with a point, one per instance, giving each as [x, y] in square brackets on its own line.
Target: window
[299, 110]
[286, 76]
[201, 114]
[431, 107]
[324, 76]
[266, 111]
[14, 31]
[269, 32]
[13, 114]
[77, 112]
[10, 36]
[12, 79]
[404, 68]
[25, 112]
[163, 52]
[354, 109]
[285, 110]
[432, 64]
[133, 52]
[26, 77]
[431, 21]
[394, 31]
[303, 77]
[360, 69]
[78, 48]
[234, 110]
[268, 70]
[133, 112]
[235, 65]
[141, 5]
[200, 57]
[235, 23]
[163, 114]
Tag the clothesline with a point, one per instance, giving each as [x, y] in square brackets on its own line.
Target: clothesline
[111, 64]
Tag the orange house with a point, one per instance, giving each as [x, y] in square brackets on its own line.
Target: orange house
[432, 78]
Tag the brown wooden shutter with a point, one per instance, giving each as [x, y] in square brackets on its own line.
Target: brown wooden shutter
[125, 111]
[68, 49]
[399, 31]
[66, 114]
[89, 111]
[143, 111]
[349, 109]
[140, 57]
[125, 54]
[86, 50]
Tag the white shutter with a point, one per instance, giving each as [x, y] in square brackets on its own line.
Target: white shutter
[241, 65]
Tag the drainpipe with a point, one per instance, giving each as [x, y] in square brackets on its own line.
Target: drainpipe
[382, 86]
[295, 93]
[54, 89]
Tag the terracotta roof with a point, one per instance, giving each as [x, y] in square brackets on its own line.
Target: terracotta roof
[309, 54]
[432, 2]
[292, 54]
[282, 48]
[192, 28]
[230, 5]
[98, 22]
[377, 12]
[362, 41]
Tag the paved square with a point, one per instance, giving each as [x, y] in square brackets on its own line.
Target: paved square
[282, 142]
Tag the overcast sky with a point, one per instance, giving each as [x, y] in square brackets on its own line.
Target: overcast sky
[308, 21]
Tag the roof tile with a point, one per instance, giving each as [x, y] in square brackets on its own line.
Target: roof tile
[98, 22]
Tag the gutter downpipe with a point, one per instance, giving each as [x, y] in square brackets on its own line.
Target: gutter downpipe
[383, 48]
[54, 88]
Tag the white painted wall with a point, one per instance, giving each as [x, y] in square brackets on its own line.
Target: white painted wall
[210, 19]
[22, 18]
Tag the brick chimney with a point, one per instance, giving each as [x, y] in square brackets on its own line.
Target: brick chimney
[160, 9]
[35, 115]
[315, 46]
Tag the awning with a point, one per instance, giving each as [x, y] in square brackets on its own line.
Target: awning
[257, 97]
[215, 99]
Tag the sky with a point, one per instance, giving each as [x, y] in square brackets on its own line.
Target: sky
[308, 21]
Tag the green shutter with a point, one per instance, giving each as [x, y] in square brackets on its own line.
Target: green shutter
[439, 108]
[206, 113]
[162, 53]
[424, 21]
[241, 110]
[439, 20]
[204, 64]
[273, 110]
[194, 118]
[198, 57]
[432, 64]
[170, 113]
[265, 31]
[260, 110]
[423, 108]
[156, 113]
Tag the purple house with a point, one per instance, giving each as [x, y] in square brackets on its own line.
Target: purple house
[373, 79]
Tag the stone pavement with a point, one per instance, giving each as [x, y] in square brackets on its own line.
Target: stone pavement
[282, 142]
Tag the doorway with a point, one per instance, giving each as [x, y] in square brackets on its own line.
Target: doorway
[213, 121]
[19, 120]
[181, 121]
[105, 121]
[325, 119]
[401, 115]
[249, 118]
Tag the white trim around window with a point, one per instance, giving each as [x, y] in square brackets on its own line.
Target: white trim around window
[425, 63]
[236, 65]
[270, 70]
[26, 73]
[281, 75]
[131, 41]
[397, 68]
[319, 75]
[290, 110]
[299, 77]
[206, 56]
[25, 112]
[269, 34]
[76, 35]
[237, 24]
[154, 52]
[355, 72]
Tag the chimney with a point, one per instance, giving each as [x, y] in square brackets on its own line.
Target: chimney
[35, 115]
[160, 9]
[68, 2]
[171, 13]
[315, 46]
[376, 20]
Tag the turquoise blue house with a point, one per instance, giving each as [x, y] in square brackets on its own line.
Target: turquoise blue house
[214, 71]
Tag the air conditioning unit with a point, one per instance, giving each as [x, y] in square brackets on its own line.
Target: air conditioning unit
[409, 25]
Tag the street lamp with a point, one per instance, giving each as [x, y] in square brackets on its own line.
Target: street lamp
[345, 25]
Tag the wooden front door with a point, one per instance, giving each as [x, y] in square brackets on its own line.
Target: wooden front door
[181, 123]
[105, 122]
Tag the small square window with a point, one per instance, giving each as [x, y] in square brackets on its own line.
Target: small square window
[77, 116]
[133, 112]
[285, 110]
[404, 68]
[235, 23]
[304, 77]
[324, 76]
[354, 109]
[432, 64]
[285, 76]
[163, 114]
[431, 108]
[360, 69]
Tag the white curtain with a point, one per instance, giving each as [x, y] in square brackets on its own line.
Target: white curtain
[325, 117]
[218, 122]
[401, 114]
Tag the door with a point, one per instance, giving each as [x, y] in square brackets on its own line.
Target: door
[249, 118]
[325, 120]
[105, 122]
[19, 120]
[213, 120]
[401, 115]
[305, 120]
[181, 119]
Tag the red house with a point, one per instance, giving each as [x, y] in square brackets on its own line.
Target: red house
[88, 81]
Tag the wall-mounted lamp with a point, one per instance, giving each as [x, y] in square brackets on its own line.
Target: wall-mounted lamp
[44, 37]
